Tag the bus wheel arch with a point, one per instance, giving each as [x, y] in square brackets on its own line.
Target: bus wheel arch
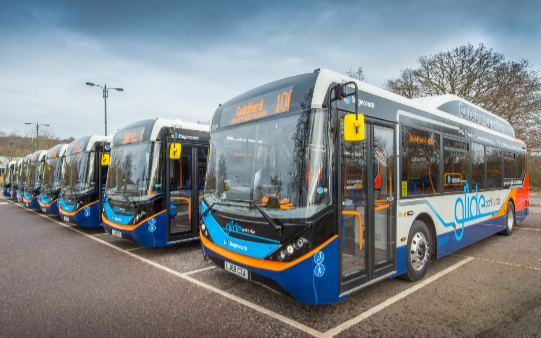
[424, 217]
[420, 246]
[510, 219]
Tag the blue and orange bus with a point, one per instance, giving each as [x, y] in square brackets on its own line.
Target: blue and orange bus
[83, 179]
[22, 177]
[16, 178]
[293, 200]
[52, 176]
[7, 184]
[155, 182]
[34, 177]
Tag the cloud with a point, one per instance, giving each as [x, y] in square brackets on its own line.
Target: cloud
[181, 59]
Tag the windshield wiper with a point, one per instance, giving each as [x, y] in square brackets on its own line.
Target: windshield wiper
[275, 225]
[130, 202]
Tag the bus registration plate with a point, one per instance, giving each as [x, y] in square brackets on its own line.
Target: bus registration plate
[66, 218]
[116, 233]
[237, 270]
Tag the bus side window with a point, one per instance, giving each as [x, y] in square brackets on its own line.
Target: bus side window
[494, 167]
[478, 167]
[455, 165]
[420, 161]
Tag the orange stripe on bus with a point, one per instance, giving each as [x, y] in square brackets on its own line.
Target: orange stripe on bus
[257, 262]
[47, 205]
[127, 227]
[72, 213]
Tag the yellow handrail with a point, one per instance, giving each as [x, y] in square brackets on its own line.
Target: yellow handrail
[355, 213]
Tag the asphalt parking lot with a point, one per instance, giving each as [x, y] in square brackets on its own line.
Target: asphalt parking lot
[60, 280]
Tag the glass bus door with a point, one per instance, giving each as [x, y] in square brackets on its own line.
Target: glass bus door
[186, 181]
[367, 230]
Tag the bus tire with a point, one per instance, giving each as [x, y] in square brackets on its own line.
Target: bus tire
[418, 252]
[510, 220]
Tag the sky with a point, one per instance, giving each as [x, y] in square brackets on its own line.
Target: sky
[180, 59]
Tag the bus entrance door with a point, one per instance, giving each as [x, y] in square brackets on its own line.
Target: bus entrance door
[367, 230]
[186, 182]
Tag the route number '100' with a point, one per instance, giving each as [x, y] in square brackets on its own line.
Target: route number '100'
[282, 101]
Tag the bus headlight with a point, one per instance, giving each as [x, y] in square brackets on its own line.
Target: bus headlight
[291, 250]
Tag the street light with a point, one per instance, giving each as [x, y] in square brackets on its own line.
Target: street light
[37, 134]
[105, 96]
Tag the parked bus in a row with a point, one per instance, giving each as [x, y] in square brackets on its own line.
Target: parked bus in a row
[16, 175]
[305, 197]
[155, 182]
[34, 177]
[83, 179]
[52, 177]
[22, 177]
[8, 179]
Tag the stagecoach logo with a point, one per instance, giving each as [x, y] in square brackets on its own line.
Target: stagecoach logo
[87, 211]
[152, 225]
[184, 137]
[235, 245]
[469, 210]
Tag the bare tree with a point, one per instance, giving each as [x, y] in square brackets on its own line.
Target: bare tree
[511, 90]
[357, 74]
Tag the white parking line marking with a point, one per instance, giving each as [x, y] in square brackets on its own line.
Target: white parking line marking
[134, 249]
[200, 270]
[394, 299]
[499, 262]
[524, 228]
[1, 203]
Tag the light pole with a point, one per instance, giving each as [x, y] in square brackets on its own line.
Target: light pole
[37, 134]
[105, 96]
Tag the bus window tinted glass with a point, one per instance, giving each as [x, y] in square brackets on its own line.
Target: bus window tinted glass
[494, 168]
[477, 167]
[455, 171]
[509, 166]
[420, 161]
[521, 165]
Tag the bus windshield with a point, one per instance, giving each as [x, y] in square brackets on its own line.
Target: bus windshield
[78, 173]
[280, 163]
[33, 174]
[134, 172]
[51, 174]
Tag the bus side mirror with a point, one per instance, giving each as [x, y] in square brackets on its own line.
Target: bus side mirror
[354, 128]
[105, 158]
[174, 151]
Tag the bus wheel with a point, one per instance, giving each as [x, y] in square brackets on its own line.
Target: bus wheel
[418, 253]
[509, 220]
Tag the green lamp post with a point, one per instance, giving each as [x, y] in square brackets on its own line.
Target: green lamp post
[105, 96]
[37, 134]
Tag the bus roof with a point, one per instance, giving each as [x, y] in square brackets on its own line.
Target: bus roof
[156, 129]
[57, 151]
[38, 155]
[442, 105]
[311, 90]
[86, 143]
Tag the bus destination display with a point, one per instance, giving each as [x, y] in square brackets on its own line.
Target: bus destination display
[272, 103]
[131, 136]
